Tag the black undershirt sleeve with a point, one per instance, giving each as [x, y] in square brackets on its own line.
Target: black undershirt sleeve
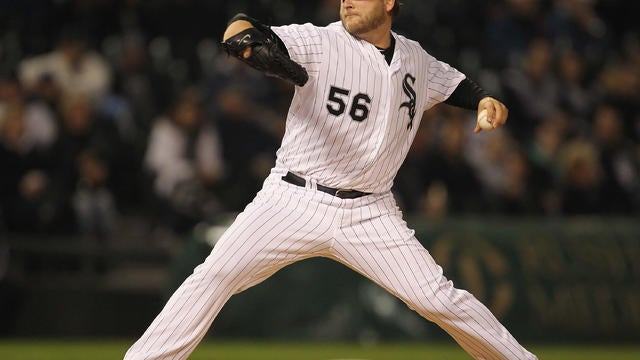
[467, 95]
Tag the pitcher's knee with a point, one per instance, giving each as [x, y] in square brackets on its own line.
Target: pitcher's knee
[439, 302]
[232, 277]
[224, 275]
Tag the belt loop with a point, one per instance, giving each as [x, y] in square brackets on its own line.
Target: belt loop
[311, 184]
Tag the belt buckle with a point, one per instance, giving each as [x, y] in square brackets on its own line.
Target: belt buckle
[338, 191]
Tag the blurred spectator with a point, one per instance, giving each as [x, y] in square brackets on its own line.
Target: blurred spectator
[515, 197]
[487, 153]
[619, 164]
[140, 93]
[47, 92]
[409, 184]
[147, 90]
[542, 151]
[25, 186]
[512, 26]
[80, 168]
[40, 121]
[242, 93]
[619, 82]
[93, 203]
[506, 174]
[71, 65]
[574, 25]
[250, 108]
[447, 167]
[576, 93]
[582, 190]
[531, 91]
[185, 160]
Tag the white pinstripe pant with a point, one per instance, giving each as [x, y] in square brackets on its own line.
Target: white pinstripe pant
[285, 224]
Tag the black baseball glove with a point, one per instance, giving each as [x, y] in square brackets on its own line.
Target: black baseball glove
[268, 54]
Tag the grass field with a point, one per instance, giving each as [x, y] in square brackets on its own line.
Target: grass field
[94, 350]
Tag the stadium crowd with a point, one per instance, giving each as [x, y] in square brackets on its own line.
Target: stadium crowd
[109, 107]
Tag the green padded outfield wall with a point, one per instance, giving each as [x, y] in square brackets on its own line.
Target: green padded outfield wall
[565, 280]
[556, 279]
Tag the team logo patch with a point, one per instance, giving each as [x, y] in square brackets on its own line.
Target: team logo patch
[407, 87]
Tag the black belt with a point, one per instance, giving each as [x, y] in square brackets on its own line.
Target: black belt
[294, 179]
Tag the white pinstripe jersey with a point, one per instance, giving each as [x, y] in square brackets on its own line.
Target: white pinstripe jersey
[353, 123]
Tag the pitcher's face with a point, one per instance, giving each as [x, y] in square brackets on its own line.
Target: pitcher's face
[362, 16]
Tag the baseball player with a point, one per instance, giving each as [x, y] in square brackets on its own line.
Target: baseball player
[360, 91]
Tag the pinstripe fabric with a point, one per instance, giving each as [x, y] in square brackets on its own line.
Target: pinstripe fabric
[285, 224]
[334, 149]
[374, 241]
[328, 144]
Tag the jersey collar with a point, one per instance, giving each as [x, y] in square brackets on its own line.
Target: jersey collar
[388, 52]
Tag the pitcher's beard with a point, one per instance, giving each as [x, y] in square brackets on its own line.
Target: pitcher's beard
[362, 25]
